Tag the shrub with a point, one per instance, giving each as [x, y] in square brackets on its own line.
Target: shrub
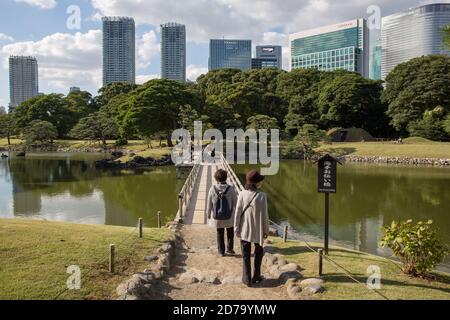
[121, 142]
[415, 245]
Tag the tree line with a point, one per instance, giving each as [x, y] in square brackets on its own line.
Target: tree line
[413, 101]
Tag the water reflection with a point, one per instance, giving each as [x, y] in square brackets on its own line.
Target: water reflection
[68, 187]
[368, 197]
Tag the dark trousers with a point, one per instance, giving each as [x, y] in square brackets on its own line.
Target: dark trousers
[221, 239]
[246, 248]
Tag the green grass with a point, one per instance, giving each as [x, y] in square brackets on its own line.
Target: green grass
[34, 256]
[156, 153]
[394, 284]
[412, 147]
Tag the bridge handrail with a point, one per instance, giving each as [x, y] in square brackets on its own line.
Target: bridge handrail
[231, 174]
[185, 194]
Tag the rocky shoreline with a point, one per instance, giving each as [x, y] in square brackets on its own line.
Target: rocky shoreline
[436, 162]
[136, 162]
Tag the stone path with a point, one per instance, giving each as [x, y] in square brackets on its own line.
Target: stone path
[199, 273]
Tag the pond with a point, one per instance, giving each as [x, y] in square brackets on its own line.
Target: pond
[68, 187]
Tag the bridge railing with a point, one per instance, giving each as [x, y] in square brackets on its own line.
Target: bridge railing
[231, 174]
[186, 191]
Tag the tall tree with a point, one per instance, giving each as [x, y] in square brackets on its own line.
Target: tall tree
[39, 131]
[8, 126]
[52, 108]
[416, 86]
[113, 89]
[154, 107]
[98, 126]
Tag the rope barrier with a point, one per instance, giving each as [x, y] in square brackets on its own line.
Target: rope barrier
[346, 272]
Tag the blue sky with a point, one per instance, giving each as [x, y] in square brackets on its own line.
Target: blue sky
[72, 57]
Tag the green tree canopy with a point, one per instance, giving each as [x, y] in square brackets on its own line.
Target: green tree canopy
[261, 121]
[8, 126]
[113, 89]
[154, 107]
[98, 126]
[416, 86]
[41, 132]
[52, 108]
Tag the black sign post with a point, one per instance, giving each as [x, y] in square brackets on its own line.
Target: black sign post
[327, 172]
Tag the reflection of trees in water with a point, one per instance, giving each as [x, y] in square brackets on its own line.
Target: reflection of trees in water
[368, 196]
[128, 194]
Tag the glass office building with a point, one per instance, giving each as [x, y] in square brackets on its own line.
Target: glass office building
[341, 46]
[118, 50]
[225, 53]
[173, 51]
[268, 57]
[413, 33]
[375, 61]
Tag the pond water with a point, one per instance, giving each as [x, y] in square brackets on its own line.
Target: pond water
[68, 187]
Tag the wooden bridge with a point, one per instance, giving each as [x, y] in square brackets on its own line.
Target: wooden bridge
[193, 196]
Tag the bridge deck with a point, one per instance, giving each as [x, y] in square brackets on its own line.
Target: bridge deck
[196, 210]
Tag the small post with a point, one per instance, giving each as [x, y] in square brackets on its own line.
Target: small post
[112, 253]
[180, 204]
[320, 262]
[285, 234]
[159, 219]
[140, 227]
[327, 215]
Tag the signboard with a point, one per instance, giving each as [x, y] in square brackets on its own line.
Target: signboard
[327, 174]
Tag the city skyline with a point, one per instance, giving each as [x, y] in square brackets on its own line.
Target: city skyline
[72, 57]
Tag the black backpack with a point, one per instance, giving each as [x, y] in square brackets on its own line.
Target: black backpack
[222, 209]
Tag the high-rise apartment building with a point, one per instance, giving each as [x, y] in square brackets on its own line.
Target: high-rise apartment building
[226, 53]
[375, 61]
[340, 46]
[118, 50]
[23, 79]
[173, 51]
[413, 33]
[269, 56]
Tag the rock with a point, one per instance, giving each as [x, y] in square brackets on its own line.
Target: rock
[144, 277]
[232, 280]
[122, 290]
[294, 292]
[313, 289]
[213, 280]
[281, 261]
[166, 247]
[286, 276]
[151, 258]
[164, 261]
[131, 297]
[273, 232]
[269, 260]
[290, 267]
[311, 282]
[188, 278]
[274, 269]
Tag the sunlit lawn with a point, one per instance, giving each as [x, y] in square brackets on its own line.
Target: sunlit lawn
[394, 284]
[34, 256]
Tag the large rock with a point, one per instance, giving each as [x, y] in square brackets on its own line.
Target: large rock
[286, 276]
[311, 282]
[313, 289]
[290, 267]
[269, 260]
[150, 258]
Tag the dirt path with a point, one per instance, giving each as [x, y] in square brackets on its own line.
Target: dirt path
[199, 273]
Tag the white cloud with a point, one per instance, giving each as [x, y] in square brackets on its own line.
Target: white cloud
[64, 59]
[43, 4]
[193, 71]
[147, 47]
[6, 37]
[140, 79]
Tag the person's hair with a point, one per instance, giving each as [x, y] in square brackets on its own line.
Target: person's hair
[221, 175]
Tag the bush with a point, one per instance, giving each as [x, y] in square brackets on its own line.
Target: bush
[121, 142]
[415, 245]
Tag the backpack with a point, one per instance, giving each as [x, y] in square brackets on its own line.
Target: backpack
[222, 210]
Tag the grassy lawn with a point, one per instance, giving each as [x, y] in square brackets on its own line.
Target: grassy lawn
[34, 256]
[412, 147]
[394, 284]
[156, 153]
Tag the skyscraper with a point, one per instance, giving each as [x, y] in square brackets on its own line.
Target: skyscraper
[269, 56]
[413, 33]
[23, 79]
[118, 50]
[340, 46]
[375, 61]
[173, 51]
[224, 53]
